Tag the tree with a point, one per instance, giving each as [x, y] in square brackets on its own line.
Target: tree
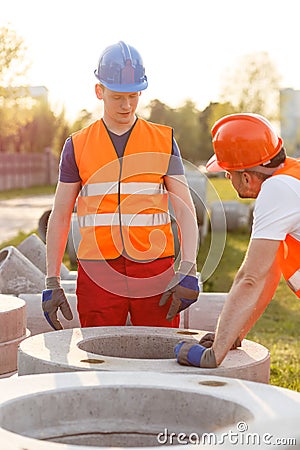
[187, 131]
[14, 105]
[63, 130]
[160, 113]
[27, 123]
[184, 120]
[12, 58]
[206, 119]
[39, 132]
[83, 119]
[253, 86]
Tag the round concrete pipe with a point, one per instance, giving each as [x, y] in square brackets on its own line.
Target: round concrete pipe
[12, 317]
[204, 314]
[18, 274]
[42, 225]
[132, 348]
[74, 237]
[69, 286]
[136, 410]
[36, 321]
[236, 215]
[197, 182]
[35, 250]
[12, 331]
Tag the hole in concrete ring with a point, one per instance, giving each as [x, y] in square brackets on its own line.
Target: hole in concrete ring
[119, 416]
[92, 361]
[148, 346]
[188, 333]
[3, 256]
[212, 383]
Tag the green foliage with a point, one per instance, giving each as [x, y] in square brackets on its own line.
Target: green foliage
[191, 128]
[27, 192]
[253, 85]
[184, 120]
[161, 113]
[13, 107]
[15, 241]
[224, 189]
[84, 119]
[206, 119]
[12, 56]
[27, 124]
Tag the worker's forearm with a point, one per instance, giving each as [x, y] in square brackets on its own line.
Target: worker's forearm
[270, 285]
[189, 241]
[252, 289]
[236, 313]
[57, 236]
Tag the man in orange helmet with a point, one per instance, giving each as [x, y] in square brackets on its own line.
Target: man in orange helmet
[252, 154]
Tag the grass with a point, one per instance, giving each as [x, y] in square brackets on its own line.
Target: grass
[223, 188]
[26, 192]
[278, 327]
[15, 241]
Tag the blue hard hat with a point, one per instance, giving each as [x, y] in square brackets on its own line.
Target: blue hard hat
[121, 69]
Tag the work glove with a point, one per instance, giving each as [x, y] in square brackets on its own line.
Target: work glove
[191, 354]
[184, 289]
[208, 339]
[54, 298]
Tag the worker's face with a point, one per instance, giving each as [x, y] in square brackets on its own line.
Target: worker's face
[119, 107]
[246, 184]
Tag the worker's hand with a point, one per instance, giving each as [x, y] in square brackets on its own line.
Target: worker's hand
[191, 354]
[184, 289]
[208, 339]
[54, 298]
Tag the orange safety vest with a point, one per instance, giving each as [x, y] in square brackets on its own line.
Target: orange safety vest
[123, 204]
[289, 250]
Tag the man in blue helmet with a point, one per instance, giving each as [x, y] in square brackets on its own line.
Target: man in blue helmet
[122, 171]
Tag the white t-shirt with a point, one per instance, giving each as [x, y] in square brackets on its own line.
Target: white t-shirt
[277, 209]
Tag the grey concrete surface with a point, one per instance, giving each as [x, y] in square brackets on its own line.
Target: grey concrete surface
[119, 349]
[139, 409]
[35, 250]
[18, 274]
[22, 214]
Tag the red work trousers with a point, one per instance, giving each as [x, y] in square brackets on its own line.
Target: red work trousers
[107, 291]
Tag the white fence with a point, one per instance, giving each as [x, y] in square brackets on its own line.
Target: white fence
[21, 170]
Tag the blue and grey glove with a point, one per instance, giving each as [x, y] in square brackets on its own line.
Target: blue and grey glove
[54, 298]
[208, 339]
[184, 289]
[191, 354]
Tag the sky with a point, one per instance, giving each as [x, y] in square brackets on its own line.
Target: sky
[187, 46]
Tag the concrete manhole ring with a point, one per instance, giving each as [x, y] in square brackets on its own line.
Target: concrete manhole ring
[132, 348]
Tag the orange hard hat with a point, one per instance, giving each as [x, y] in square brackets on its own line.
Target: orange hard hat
[242, 141]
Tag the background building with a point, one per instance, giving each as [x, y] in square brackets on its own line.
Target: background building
[290, 120]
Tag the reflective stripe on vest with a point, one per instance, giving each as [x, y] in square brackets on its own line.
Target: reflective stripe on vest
[123, 204]
[289, 250]
[90, 190]
[129, 220]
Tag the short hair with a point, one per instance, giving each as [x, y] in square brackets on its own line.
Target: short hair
[277, 159]
[261, 176]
